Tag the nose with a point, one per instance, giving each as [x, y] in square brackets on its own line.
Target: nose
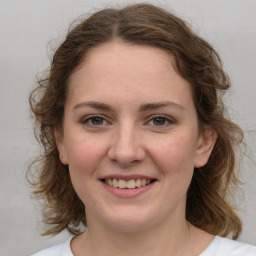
[126, 147]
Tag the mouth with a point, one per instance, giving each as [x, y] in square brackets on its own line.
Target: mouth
[128, 184]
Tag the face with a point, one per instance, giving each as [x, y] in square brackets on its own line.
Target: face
[130, 137]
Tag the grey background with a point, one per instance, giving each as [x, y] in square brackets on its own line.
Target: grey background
[26, 27]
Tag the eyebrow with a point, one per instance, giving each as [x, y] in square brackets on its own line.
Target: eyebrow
[157, 105]
[142, 108]
[93, 104]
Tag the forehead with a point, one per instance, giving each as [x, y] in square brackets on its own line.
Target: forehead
[132, 56]
[124, 70]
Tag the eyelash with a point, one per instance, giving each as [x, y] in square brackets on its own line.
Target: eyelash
[90, 118]
[165, 118]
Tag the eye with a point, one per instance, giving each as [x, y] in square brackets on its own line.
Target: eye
[160, 120]
[94, 121]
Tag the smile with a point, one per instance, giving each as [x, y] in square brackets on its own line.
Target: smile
[127, 184]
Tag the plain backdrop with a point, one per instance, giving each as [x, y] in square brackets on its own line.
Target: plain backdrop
[26, 28]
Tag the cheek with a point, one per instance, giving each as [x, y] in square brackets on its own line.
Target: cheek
[177, 151]
[84, 156]
[176, 159]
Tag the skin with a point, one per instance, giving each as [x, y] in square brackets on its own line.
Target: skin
[145, 124]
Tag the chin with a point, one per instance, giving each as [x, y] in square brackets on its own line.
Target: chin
[129, 221]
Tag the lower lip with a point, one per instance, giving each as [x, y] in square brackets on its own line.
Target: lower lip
[127, 192]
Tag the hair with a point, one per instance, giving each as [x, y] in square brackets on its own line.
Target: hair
[208, 197]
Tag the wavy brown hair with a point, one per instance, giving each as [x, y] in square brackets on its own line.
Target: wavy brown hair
[209, 194]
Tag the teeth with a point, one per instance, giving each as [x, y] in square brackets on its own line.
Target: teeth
[122, 184]
[132, 184]
[114, 183]
[109, 182]
[138, 183]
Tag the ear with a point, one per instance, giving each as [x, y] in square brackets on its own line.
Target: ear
[205, 146]
[58, 134]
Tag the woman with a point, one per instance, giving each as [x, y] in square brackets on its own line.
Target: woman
[137, 145]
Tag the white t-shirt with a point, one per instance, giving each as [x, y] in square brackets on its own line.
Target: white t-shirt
[218, 247]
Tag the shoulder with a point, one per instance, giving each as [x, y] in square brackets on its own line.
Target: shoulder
[57, 250]
[224, 246]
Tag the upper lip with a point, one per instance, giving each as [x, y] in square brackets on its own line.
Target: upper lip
[127, 177]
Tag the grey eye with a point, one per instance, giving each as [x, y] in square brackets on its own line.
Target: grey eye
[96, 120]
[159, 121]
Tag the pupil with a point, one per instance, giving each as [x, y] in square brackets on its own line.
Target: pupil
[159, 121]
[97, 120]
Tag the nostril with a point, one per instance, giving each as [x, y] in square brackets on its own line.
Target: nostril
[126, 147]
[126, 157]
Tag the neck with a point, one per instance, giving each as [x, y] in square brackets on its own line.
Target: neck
[173, 238]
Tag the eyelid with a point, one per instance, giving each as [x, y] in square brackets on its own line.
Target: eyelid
[169, 119]
[85, 119]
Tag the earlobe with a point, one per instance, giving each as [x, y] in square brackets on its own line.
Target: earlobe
[206, 144]
[60, 145]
